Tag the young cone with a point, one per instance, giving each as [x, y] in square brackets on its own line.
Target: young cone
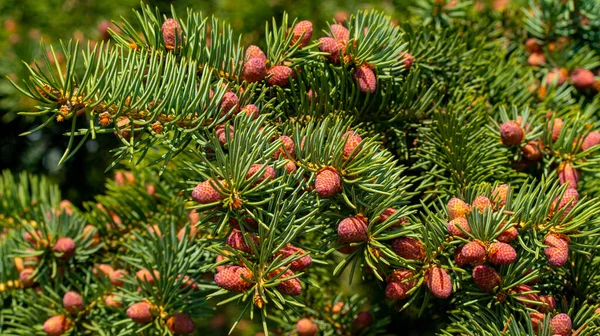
[140, 313]
[557, 252]
[439, 282]
[230, 278]
[458, 208]
[473, 252]
[367, 81]
[409, 248]
[181, 324]
[352, 230]
[501, 254]
[455, 231]
[73, 302]
[328, 182]
[582, 78]
[56, 325]
[171, 31]
[254, 70]
[591, 140]
[298, 264]
[66, 246]
[306, 327]
[397, 287]
[511, 133]
[280, 75]
[561, 325]
[205, 193]
[486, 278]
[303, 32]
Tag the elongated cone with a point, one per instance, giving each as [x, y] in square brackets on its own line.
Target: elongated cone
[367, 81]
[352, 230]
[352, 140]
[591, 140]
[499, 195]
[567, 202]
[334, 48]
[501, 254]
[397, 287]
[230, 278]
[140, 313]
[254, 70]
[340, 33]
[56, 325]
[117, 277]
[281, 74]
[410, 248]
[251, 110]
[328, 182]
[73, 302]
[291, 287]
[439, 282]
[486, 278]
[455, 231]
[171, 31]
[205, 193]
[306, 327]
[567, 174]
[473, 252]
[557, 252]
[458, 208]
[481, 203]
[556, 125]
[181, 324]
[508, 235]
[66, 246]
[298, 264]
[303, 32]
[582, 78]
[511, 133]
[561, 325]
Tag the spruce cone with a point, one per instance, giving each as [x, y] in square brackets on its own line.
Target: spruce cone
[397, 288]
[499, 195]
[117, 276]
[171, 31]
[352, 230]
[362, 321]
[255, 52]
[582, 78]
[556, 125]
[56, 325]
[281, 74]
[251, 110]
[352, 140]
[306, 327]
[550, 304]
[229, 103]
[340, 33]
[561, 325]
[458, 208]
[230, 278]
[269, 173]
[298, 264]
[66, 246]
[303, 27]
[473, 252]
[181, 324]
[332, 47]
[287, 150]
[205, 193]
[73, 302]
[455, 231]
[145, 275]
[254, 70]
[508, 235]
[328, 182]
[536, 59]
[591, 140]
[557, 251]
[501, 254]
[236, 240]
[113, 301]
[486, 278]
[26, 278]
[439, 282]
[568, 175]
[511, 133]
[408, 61]
[366, 79]
[481, 203]
[140, 313]
[409, 248]
[222, 136]
[556, 76]
[291, 287]
[532, 151]
[567, 202]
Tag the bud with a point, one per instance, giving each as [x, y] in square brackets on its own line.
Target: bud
[481, 203]
[458, 208]
[73, 302]
[439, 282]
[280, 75]
[536, 59]
[340, 33]
[229, 103]
[409, 248]
[532, 151]
[113, 301]
[26, 278]
[561, 325]
[501, 254]
[352, 141]
[145, 275]
[251, 110]
[116, 277]
[556, 125]
[298, 264]
[236, 241]
[56, 325]
[171, 31]
[255, 52]
[269, 173]
[306, 327]
[66, 246]
[291, 287]
[254, 70]
[532, 45]
[205, 193]
[486, 278]
[334, 48]
[408, 61]
[511, 133]
[499, 195]
[591, 140]
[367, 81]
[550, 304]
[362, 321]
[455, 231]
[397, 286]
[287, 149]
[557, 251]
[556, 76]
[473, 252]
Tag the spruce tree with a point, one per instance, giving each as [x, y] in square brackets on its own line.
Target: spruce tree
[350, 181]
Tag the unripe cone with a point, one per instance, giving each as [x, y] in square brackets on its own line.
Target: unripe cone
[532, 151]
[532, 46]
[288, 149]
[508, 235]
[557, 251]
[191, 233]
[511, 133]
[567, 202]
[536, 320]
[367, 81]
[102, 269]
[499, 195]
[481, 203]
[328, 182]
[486, 278]
[408, 61]
[230, 278]
[556, 76]
[352, 140]
[222, 136]
[140, 313]
[73, 302]
[528, 297]
[561, 325]
[567, 174]
[409, 248]
[236, 240]
[116, 277]
[181, 324]
[269, 173]
[340, 33]
[205, 193]
[255, 52]
[362, 321]
[145, 275]
[303, 27]
[591, 140]
[458, 257]
[251, 110]
[556, 125]
[473, 252]
[26, 278]
[229, 103]
[458, 208]
[291, 287]
[306, 327]
[389, 212]
[56, 325]
[113, 301]
[352, 230]
[455, 231]
[501, 254]
[280, 75]
[298, 264]
[582, 78]
[254, 70]
[536, 59]
[171, 31]
[290, 166]
[334, 48]
[397, 288]
[550, 304]
[66, 246]
[439, 282]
